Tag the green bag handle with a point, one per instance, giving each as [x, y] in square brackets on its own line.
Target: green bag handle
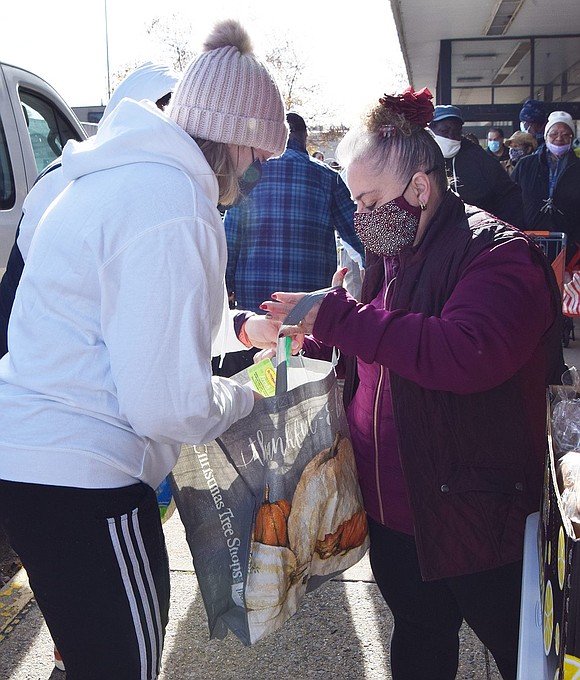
[295, 316]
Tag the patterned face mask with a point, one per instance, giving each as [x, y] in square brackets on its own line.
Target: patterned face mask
[515, 154]
[387, 229]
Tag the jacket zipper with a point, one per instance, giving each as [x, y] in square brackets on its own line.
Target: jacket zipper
[375, 420]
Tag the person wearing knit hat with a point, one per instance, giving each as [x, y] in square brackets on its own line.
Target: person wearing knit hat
[549, 179]
[560, 129]
[227, 95]
[533, 118]
[120, 308]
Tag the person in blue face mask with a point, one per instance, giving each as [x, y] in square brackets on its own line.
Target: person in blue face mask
[533, 119]
[549, 179]
[496, 146]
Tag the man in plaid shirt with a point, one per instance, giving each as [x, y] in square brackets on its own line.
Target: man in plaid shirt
[283, 235]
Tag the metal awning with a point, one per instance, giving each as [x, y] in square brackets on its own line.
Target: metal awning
[492, 52]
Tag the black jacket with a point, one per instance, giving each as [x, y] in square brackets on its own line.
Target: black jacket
[533, 176]
[483, 182]
[505, 155]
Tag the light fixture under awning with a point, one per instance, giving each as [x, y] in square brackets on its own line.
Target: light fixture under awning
[502, 16]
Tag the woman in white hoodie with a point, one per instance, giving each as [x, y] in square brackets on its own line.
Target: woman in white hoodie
[120, 308]
[152, 81]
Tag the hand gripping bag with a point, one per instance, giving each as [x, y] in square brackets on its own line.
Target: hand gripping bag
[272, 508]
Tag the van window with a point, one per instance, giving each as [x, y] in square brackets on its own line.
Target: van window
[94, 116]
[48, 129]
[7, 191]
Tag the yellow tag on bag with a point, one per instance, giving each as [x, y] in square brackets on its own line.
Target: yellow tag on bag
[263, 376]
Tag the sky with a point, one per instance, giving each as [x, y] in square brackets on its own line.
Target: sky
[351, 57]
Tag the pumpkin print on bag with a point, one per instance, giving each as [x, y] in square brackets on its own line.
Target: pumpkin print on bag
[350, 534]
[271, 527]
[327, 520]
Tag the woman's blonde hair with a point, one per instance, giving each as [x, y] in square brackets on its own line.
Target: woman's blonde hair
[218, 156]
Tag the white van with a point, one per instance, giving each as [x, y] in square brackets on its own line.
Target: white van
[35, 124]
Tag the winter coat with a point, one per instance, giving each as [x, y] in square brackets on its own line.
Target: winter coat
[533, 176]
[469, 350]
[480, 180]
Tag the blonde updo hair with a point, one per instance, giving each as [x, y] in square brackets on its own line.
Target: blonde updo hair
[388, 140]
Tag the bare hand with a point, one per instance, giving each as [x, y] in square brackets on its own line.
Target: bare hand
[263, 333]
[282, 305]
[338, 277]
[264, 354]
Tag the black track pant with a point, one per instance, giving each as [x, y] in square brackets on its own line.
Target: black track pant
[429, 614]
[97, 564]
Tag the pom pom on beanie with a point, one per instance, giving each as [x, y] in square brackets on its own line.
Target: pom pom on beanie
[227, 95]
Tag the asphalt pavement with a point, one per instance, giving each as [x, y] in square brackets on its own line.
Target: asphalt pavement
[342, 630]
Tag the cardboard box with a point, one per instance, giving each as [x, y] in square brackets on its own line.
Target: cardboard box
[559, 561]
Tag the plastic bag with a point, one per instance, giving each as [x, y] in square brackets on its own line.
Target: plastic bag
[566, 414]
[569, 483]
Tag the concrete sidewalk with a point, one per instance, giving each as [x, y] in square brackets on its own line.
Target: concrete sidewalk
[341, 631]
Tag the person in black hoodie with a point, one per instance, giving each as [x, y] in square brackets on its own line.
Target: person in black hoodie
[474, 174]
[550, 179]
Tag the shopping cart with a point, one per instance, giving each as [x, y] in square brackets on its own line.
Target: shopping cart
[553, 244]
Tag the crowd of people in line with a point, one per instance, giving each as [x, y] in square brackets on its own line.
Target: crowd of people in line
[544, 198]
[186, 232]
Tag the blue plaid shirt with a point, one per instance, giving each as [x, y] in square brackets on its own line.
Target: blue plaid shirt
[282, 237]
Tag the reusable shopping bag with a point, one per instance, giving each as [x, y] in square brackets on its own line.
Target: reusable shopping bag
[272, 509]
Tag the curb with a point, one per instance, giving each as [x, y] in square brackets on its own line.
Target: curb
[14, 596]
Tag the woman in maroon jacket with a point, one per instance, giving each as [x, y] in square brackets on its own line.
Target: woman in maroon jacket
[456, 337]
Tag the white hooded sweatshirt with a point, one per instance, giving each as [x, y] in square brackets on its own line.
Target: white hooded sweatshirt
[120, 307]
[149, 81]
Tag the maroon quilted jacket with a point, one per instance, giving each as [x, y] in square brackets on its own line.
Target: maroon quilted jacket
[469, 340]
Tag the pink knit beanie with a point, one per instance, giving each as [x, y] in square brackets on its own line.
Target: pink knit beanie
[227, 95]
